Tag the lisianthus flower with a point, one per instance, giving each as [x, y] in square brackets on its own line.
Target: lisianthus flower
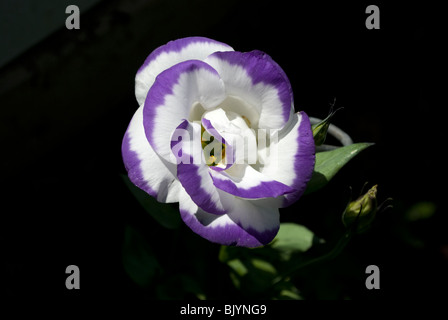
[217, 132]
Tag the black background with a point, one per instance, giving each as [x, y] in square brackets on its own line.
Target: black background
[62, 196]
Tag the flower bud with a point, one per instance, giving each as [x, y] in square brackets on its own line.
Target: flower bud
[362, 211]
[320, 129]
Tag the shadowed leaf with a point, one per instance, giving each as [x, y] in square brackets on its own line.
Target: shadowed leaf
[328, 163]
[138, 259]
[163, 213]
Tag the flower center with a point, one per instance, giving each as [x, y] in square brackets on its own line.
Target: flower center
[214, 151]
[229, 131]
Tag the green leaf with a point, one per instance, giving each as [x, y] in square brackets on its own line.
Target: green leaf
[292, 238]
[238, 267]
[263, 266]
[163, 213]
[328, 163]
[139, 261]
[253, 276]
[287, 291]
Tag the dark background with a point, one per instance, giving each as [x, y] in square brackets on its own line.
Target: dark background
[66, 102]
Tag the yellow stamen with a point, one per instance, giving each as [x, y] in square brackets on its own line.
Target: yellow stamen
[211, 161]
[214, 158]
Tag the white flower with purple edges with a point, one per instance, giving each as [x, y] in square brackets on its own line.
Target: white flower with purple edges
[217, 132]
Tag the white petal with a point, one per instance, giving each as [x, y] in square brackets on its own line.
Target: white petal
[243, 181]
[172, 97]
[245, 225]
[254, 78]
[145, 168]
[166, 56]
[291, 159]
[194, 174]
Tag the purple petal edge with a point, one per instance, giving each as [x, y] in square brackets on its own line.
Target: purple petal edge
[265, 189]
[162, 87]
[190, 178]
[304, 160]
[132, 165]
[177, 46]
[230, 234]
[262, 68]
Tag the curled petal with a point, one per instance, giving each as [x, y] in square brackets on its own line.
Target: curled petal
[253, 77]
[166, 56]
[145, 168]
[229, 158]
[292, 157]
[246, 224]
[171, 98]
[233, 130]
[193, 173]
[240, 178]
[243, 181]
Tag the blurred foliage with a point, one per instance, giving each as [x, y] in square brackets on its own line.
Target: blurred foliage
[263, 273]
[421, 210]
[139, 260]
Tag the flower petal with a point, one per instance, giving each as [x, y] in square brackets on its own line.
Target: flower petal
[193, 173]
[166, 56]
[172, 96]
[292, 158]
[245, 225]
[253, 77]
[145, 168]
[231, 128]
[243, 181]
